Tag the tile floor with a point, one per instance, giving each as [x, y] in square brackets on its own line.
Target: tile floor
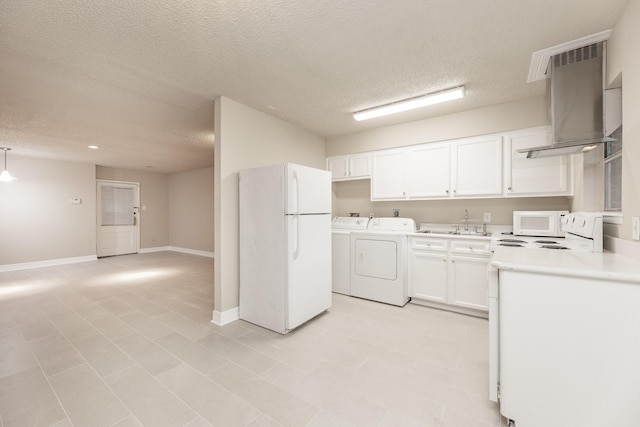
[126, 341]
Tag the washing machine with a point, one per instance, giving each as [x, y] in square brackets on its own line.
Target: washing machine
[341, 229]
[379, 260]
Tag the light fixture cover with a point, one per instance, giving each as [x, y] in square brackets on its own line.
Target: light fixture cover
[411, 103]
[5, 176]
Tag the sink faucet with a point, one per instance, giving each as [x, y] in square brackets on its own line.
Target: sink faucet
[466, 221]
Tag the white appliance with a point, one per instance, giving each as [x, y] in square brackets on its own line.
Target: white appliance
[583, 234]
[285, 245]
[379, 260]
[341, 228]
[538, 223]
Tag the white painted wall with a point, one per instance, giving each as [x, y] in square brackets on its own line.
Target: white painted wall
[191, 209]
[37, 222]
[246, 138]
[353, 196]
[515, 115]
[623, 58]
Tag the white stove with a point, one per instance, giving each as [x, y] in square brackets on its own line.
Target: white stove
[583, 232]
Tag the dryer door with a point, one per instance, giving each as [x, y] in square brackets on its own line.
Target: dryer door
[376, 258]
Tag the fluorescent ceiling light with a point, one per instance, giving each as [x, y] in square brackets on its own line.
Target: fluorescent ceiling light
[411, 103]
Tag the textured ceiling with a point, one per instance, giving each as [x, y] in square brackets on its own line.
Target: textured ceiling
[138, 77]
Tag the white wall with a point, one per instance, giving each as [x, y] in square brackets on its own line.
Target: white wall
[246, 138]
[623, 58]
[37, 222]
[191, 209]
[515, 115]
[353, 196]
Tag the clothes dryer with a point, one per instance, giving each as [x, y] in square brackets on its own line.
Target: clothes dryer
[379, 260]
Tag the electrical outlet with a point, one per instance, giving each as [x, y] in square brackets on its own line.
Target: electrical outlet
[635, 228]
[486, 217]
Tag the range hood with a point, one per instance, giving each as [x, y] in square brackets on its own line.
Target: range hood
[576, 94]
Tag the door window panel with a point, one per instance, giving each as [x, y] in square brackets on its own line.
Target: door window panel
[117, 206]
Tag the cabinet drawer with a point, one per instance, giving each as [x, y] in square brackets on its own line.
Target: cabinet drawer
[470, 247]
[421, 243]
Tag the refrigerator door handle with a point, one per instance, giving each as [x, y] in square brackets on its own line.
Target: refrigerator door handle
[296, 251]
[296, 192]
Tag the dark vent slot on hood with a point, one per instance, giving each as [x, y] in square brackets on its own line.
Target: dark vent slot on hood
[576, 55]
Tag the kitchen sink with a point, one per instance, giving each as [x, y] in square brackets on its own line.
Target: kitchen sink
[455, 232]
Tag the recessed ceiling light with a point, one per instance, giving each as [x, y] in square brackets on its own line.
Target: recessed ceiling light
[149, 167]
[93, 147]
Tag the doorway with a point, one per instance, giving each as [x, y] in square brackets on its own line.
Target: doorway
[118, 222]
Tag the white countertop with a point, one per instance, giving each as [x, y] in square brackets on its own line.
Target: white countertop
[605, 266]
[451, 236]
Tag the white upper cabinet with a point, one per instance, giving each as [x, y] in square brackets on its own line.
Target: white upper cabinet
[388, 175]
[355, 166]
[476, 166]
[428, 170]
[545, 176]
[470, 167]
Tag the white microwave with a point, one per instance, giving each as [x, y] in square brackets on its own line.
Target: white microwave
[538, 223]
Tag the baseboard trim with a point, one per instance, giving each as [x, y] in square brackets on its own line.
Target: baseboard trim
[178, 249]
[156, 249]
[225, 317]
[47, 263]
[192, 252]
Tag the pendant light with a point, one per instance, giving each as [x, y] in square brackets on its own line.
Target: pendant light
[5, 176]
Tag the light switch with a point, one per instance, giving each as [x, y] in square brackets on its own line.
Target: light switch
[486, 217]
[144, 207]
[635, 228]
[75, 201]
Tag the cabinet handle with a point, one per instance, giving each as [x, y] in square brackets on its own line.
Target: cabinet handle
[453, 261]
[509, 188]
[447, 191]
[455, 191]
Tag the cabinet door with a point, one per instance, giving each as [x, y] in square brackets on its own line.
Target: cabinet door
[428, 276]
[339, 167]
[428, 171]
[388, 175]
[469, 283]
[360, 166]
[477, 166]
[536, 177]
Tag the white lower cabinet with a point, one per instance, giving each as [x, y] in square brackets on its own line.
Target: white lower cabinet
[428, 269]
[449, 273]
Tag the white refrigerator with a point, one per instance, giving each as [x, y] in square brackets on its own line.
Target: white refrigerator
[285, 245]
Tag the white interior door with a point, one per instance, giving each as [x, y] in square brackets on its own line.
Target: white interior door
[118, 222]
